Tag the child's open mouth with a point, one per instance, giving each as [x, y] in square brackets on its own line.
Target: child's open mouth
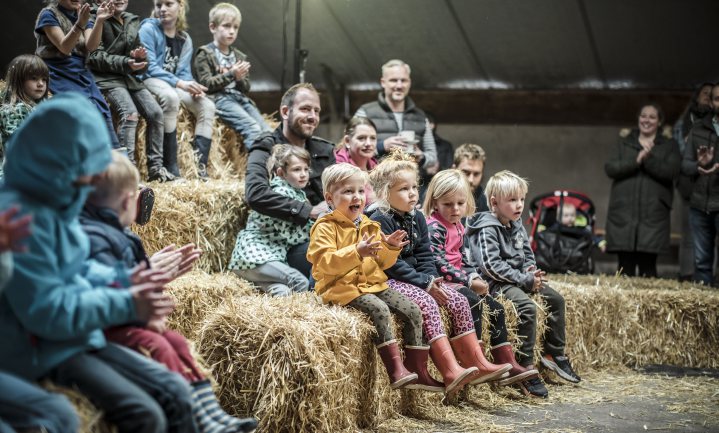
[355, 207]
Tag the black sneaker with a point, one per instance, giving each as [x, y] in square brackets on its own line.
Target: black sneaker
[161, 175]
[533, 387]
[561, 366]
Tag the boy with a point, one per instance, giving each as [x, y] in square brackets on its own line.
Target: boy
[225, 71]
[57, 302]
[500, 248]
[470, 159]
[108, 213]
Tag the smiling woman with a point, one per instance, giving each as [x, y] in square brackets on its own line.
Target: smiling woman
[358, 147]
[643, 170]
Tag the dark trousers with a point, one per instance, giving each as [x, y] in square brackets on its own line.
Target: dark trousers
[297, 258]
[136, 394]
[629, 261]
[705, 226]
[554, 337]
[497, 324]
[24, 405]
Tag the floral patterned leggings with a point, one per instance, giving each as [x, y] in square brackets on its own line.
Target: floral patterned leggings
[457, 306]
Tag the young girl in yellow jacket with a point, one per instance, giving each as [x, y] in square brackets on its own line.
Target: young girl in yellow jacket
[348, 253]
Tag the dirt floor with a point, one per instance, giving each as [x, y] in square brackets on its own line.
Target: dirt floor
[656, 399]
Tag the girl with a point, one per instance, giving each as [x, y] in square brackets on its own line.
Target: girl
[169, 53]
[115, 65]
[26, 86]
[448, 200]
[260, 253]
[348, 252]
[358, 147]
[415, 276]
[65, 35]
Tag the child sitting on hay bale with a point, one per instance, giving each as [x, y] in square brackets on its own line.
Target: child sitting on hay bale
[415, 276]
[348, 252]
[260, 253]
[109, 211]
[448, 200]
[500, 247]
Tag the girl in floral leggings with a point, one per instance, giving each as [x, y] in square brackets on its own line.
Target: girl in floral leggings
[415, 276]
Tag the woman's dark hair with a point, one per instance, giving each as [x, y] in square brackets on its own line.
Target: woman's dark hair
[656, 106]
[22, 68]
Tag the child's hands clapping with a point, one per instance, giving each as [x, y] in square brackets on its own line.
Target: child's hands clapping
[83, 16]
[479, 286]
[137, 59]
[176, 261]
[368, 248]
[147, 285]
[139, 53]
[538, 278]
[396, 239]
[105, 11]
[13, 230]
[240, 69]
[437, 291]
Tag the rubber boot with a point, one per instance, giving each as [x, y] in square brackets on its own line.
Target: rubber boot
[415, 360]
[503, 355]
[454, 376]
[202, 149]
[398, 374]
[169, 153]
[469, 353]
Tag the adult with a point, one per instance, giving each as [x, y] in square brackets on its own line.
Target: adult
[698, 108]
[643, 169]
[470, 159]
[394, 111]
[358, 147]
[445, 148]
[700, 162]
[300, 112]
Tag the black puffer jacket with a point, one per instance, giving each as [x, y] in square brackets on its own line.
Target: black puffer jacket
[415, 264]
[705, 192]
[640, 201]
[260, 196]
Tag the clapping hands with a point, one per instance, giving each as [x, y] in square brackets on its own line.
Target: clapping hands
[13, 230]
[705, 156]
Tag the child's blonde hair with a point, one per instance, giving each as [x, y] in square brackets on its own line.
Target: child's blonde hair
[281, 155]
[386, 174]
[222, 11]
[469, 151]
[22, 68]
[340, 172]
[120, 177]
[505, 184]
[181, 24]
[450, 181]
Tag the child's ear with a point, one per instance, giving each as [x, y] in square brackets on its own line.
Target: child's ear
[328, 197]
[280, 172]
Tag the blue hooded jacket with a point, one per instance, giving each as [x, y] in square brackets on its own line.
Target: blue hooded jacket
[56, 302]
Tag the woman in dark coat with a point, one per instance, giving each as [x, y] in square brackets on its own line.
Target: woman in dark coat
[643, 170]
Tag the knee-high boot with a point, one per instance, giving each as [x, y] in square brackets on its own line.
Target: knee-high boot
[202, 149]
[503, 354]
[399, 376]
[416, 362]
[453, 375]
[469, 353]
[169, 152]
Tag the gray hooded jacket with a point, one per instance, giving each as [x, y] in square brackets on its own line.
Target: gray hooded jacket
[501, 254]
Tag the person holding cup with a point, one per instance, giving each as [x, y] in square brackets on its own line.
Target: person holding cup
[400, 123]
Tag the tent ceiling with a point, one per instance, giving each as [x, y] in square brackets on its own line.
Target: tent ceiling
[548, 44]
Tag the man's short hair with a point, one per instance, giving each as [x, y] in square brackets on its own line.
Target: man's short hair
[395, 62]
[340, 172]
[121, 176]
[505, 184]
[469, 151]
[222, 11]
[289, 97]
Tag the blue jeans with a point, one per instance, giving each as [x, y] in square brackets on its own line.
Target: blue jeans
[240, 114]
[705, 227]
[24, 405]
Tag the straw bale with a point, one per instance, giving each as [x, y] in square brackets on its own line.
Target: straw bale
[208, 214]
[91, 418]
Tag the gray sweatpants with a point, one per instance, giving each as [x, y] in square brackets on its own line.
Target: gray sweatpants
[276, 278]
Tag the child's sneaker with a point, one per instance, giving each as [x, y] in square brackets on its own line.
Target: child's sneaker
[533, 387]
[561, 366]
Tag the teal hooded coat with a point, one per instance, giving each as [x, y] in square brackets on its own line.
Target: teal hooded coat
[56, 302]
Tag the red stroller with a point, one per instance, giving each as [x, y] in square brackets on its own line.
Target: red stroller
[558, 248]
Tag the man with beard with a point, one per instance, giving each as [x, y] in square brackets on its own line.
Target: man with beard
[701, 163]
[300, 111]
[394, 111]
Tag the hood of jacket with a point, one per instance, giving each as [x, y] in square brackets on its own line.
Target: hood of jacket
[63, 139]
[481, 220]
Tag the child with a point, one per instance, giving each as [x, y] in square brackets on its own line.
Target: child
[448, 200]
[348, 252]
[470, 160]
[225, 71]
[25, 87]
[108, 213]
[500, 247]
[168, 77]
[57, 302]
[65, 36]
[415, 276]
[260, 253]
[115, 65]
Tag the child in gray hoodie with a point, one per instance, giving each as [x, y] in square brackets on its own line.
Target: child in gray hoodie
[500, 247]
